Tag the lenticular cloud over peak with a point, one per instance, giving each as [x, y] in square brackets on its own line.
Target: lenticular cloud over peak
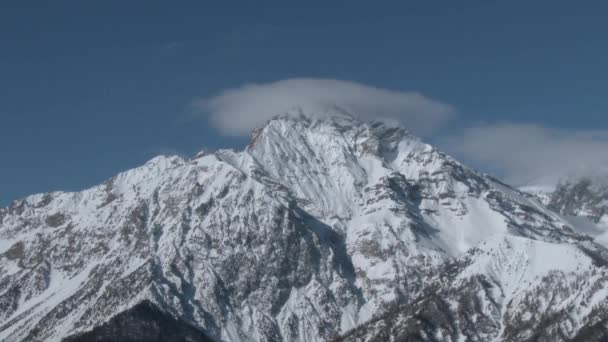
[237, 111]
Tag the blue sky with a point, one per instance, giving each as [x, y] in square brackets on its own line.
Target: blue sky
[90, 89]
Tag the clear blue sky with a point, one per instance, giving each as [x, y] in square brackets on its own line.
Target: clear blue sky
[90, 88]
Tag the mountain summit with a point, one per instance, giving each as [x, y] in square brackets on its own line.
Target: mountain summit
[323, 228]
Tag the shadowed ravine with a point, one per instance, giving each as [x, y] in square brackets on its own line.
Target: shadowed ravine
[142, 323]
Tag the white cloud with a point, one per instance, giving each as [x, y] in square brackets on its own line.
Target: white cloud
[237, 111]
[528, 153]
[519, 153]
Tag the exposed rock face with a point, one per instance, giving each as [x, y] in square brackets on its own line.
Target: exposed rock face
[321, 229]
[143, 322]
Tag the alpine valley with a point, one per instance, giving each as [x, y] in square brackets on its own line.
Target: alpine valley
[323, 228]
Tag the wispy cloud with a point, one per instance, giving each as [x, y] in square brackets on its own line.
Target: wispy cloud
[531, 153]
[238, 110]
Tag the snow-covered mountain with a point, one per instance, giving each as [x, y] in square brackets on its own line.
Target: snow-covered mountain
[583, 200]
[321, 229]
[584, 197]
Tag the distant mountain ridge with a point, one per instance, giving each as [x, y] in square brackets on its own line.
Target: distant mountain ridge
[582, 199]
[323, 228]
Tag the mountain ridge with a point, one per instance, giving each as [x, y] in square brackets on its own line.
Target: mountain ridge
[320, 226]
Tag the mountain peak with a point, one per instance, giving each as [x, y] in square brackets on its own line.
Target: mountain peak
[328, 121]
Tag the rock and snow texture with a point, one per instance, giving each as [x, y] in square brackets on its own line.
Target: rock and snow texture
[581, 200]
[321, 229]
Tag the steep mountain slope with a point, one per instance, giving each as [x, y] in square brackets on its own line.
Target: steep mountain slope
[320, 229]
